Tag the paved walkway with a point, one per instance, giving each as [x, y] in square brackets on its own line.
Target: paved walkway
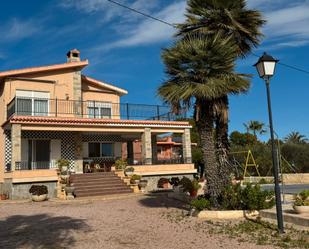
[153, 222]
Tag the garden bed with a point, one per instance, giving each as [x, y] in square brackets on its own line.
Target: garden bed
[226, 214]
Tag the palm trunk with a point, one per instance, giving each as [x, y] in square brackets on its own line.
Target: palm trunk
[222, 141]
[205, 126]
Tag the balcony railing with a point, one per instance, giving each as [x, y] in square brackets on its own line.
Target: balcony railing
[27, 165]
[28, 106]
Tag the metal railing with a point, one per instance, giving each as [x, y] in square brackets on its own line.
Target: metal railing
[27, 165]
[29, 106]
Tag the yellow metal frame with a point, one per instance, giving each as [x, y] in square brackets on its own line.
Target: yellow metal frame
[248, 163]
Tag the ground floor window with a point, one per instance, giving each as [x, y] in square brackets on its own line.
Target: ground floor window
[100, 150]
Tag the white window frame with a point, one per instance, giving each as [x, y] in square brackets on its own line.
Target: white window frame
[98, 105]
[34, 95]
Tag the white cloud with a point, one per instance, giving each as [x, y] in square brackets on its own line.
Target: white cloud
[150, 31]
[16, 29]
[288, 27]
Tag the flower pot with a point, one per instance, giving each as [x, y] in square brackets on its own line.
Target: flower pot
[165, 185]
[3, 197]
[193, 193]
[301, 209]
[129, 173]
[142, 185]
[69, 189]
[38, 198]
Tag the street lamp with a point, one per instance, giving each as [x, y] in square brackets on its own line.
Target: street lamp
[266, 68]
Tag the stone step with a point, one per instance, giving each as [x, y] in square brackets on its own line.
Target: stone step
[100, 186]
[98, 180]
[104, 192]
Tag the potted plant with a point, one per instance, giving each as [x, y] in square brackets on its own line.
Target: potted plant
[63, 166]
[129, 171]
[142, 185]
[163, 183]
[174, 181]
[38, 192]
[120, 164]
[195, 186]
[69, 189]
[3, 196]
[135, 179]
[301, 202]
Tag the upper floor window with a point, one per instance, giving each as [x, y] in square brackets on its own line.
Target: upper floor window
[99, 109]
[32, 103]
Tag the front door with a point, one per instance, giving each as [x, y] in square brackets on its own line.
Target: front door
[42, 153]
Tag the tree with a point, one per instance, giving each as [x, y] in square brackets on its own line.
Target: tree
[241, 139]
[295, 138]
[255, 127]
[200, 70]
[232, 20]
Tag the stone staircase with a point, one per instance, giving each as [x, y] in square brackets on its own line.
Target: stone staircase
[95, 184]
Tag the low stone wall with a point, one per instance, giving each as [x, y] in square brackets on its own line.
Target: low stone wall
[153, 180]
[17, 191]
[302, 178]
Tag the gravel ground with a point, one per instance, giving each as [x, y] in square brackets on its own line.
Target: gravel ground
[134, 222]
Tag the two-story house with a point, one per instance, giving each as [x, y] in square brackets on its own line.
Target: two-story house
[56, 112]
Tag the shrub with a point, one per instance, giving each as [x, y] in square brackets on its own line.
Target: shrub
[61, 163]
[38, 190]
[185, 182]
[120, 164]
[253, 198]
[249, 198]
[129, 169]
[302, 199]
[174, 181]
[135, 178]
[162, 182]
[200, 204]
[264, 181]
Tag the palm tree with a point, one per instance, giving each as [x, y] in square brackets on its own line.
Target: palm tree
[256, 127]
[197, 75]
[295, 138]
[229, 19]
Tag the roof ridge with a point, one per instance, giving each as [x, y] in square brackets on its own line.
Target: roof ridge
[43, 68]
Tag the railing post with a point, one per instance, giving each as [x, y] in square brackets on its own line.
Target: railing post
[94, 109]
[128, 115]
[158, 112]
[56, 107]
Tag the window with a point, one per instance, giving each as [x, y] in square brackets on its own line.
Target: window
[99, 109]
[107, 149]
[100, 150]
[94, 149]
[32, 103]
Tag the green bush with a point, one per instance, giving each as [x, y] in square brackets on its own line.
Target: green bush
[302, 199]
[38, 190]
[188, 185]
[120, 164]
[135, 178]
[200, 204]
[249, 198]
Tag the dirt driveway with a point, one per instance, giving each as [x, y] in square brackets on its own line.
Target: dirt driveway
[132, 222]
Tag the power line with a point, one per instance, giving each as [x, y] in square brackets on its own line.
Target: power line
[286, 65]
[142, 13]
[174, 26]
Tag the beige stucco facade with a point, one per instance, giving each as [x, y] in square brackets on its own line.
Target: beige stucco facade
[67, 122]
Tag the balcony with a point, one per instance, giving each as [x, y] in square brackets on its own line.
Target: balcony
[28, 106]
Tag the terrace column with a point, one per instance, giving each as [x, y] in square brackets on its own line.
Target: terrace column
[146, 146]
[186, 146]
[78, 153]
[154, 148]
[130, 152]
[16, 145]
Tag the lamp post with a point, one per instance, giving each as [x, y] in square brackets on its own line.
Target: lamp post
[266, 67]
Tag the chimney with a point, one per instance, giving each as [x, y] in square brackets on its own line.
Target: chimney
[73, 55]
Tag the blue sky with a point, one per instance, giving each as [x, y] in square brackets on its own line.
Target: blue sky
[124, 49]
